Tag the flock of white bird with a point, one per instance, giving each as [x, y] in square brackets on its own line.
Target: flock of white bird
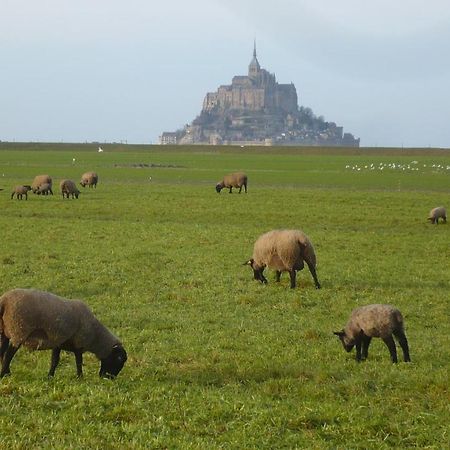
[412, 166]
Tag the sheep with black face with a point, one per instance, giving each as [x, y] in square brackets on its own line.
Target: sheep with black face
[68, 187]
[20, 191]
[366, 322]
[42, 321]
[89, 179]
[233, 180]
[283, 251]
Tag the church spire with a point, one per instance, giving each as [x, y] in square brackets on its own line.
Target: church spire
[254, 67]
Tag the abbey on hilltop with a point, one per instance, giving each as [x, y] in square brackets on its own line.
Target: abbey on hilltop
[257, 110]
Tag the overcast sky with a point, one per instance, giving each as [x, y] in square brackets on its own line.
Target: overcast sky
[116, 70]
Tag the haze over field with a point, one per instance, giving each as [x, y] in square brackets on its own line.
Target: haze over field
[126, 71]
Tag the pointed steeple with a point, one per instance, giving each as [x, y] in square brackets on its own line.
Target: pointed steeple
[254, 67]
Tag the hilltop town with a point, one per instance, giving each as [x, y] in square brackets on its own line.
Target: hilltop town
[257, 110]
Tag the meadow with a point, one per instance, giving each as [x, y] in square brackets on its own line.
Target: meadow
[215, 359]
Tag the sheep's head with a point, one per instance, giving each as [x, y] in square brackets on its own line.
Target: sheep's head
[257, 270]
[113, 363]
[219, 187]
[27, 187]
[347, 343]
[83, 183]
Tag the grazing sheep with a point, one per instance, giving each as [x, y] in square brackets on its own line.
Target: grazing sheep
[90, 179]
[284, 251]
[436, 214]
[371, 321]
[40, 180]
[19, 191]
[233, 180]
[69, 187]
[44, 189]
[42, 321]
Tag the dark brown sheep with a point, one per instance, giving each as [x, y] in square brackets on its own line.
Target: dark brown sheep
[41, 321]
[233, 180]
[20, 191]
[370, 321]
[68, 187]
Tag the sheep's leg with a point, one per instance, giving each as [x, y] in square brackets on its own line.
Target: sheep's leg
[401, 337]
[358, 345]
[240, 189]
[277, 275]
[365, 346]
[26, 196]
[262, 278]
[312, 269]
[3, 346]
[389, 341]
[258, 275]
[54, 361]
[231, 188]
[8, 356]
[245, 187]
[292, 274]
[79, 362]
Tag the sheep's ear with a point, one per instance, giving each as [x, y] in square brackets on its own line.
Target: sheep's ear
[248, 263]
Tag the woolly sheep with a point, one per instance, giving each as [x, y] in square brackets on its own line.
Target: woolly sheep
[283, 251]
[436, 214]
[44, 189]
[233, 180]
[69, 187]
[42, 321]
[19, 191]
[90, 179]
[371, 321]
[40, 180]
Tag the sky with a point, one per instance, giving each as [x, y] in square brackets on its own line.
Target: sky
[125, 71]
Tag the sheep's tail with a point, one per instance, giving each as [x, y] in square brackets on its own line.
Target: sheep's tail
[307, 251]
[2, 310]
[399, 320]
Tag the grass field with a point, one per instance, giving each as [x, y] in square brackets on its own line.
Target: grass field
[217, 360]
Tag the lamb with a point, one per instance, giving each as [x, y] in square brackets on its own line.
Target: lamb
[40, 180]
[69, 187]
[90, 179]
[371, 321]
[41, 321]
[284, 251]
[436, 214]
[233, 180]
[20, 191]
[44, 189]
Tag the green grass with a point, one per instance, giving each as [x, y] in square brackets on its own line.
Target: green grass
[217, 360]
